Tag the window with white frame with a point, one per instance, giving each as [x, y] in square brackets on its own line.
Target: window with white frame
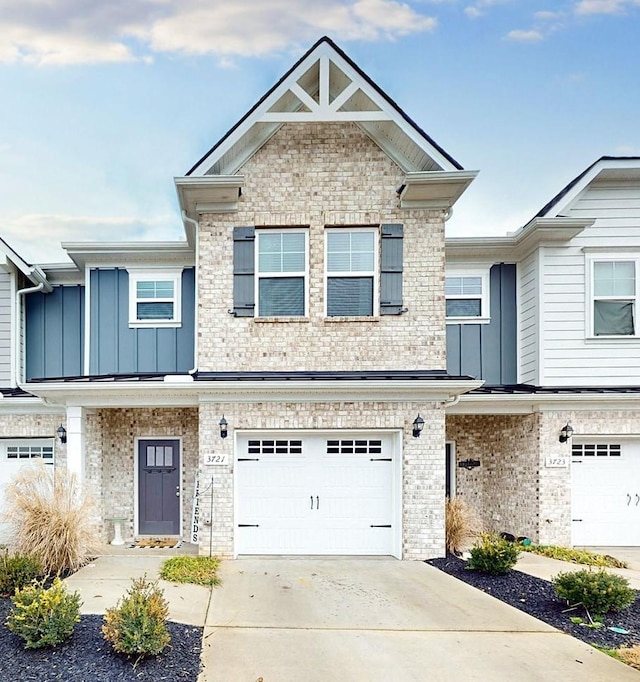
[155, 298]
[281, 269]
[467, 295]
[614, 291]
[351, 272]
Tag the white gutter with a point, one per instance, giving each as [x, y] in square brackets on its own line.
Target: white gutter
[196, 227]
[17, 327]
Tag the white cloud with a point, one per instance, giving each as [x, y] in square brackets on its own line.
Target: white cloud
[76, 31]
[531, 36]
[627, 150]
[600, 6]
[36, 236]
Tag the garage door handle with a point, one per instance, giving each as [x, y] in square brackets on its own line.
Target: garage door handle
[317, 502]
[576, 519]
[637, 499]
[311, 501]
[628, 499]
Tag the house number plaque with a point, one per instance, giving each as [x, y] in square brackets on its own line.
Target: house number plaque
[212, 460]
[556, 462]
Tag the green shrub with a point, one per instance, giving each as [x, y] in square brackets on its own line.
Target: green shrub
[138, 623]
[44, 617]
[199, 570]
[598, 591]
[16, 571]
[493, 555]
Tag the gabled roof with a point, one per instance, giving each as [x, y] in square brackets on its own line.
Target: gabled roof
[326, 85]
[605, 167]
[32, 272]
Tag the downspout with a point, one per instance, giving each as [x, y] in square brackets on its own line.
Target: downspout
[196, 226]
[448, 213]
[18, 326]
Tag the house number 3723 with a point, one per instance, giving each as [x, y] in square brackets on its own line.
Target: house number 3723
[212, 460]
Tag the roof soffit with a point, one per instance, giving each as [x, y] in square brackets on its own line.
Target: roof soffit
[326, 86]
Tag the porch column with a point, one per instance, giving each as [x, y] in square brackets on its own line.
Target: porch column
[75, 441]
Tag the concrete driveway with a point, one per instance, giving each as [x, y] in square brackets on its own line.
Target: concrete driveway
[361, 620]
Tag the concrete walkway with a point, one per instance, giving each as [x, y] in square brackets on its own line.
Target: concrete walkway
[357, 620]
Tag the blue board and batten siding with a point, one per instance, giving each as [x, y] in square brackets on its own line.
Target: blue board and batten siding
[55, 333]
[117, 349]
[488, 351]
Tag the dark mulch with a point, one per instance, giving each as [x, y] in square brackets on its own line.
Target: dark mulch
[88, 657]
[538, 598]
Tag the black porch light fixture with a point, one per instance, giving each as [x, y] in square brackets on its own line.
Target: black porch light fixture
[565, 433]
[62, 434]
[223, 427]
[418, 425]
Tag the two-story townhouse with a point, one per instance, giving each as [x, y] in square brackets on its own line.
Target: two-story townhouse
[27, 425]
[292, 348]
[547, 316]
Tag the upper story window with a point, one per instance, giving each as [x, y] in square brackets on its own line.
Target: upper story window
[281, 269]
[155, 298]
[351, 272]
[467, 296]
[614, 287]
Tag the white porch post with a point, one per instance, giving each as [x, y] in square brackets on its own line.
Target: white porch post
[75, 441]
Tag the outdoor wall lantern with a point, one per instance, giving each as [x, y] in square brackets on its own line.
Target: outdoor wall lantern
[62, 434]
[223, 427]
[418, 425]
[565, 433]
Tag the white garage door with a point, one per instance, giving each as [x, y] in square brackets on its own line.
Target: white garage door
[606, 493]
[315, 494]
[14, 454]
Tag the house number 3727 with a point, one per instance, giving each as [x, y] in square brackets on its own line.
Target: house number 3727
[212, 460]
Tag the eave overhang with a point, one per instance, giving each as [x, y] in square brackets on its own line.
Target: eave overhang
[434, 189]
[183, 391]
[515, 246]
[121, 254]
[209, 194]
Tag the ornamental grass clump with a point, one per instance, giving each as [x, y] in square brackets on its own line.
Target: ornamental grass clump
[50, 518]
[16, 571]
[137, 625]
[44, 617]
[597, 591]
[493, 555]
[461, 524]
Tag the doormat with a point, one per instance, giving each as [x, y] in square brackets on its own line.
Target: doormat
[158, 543]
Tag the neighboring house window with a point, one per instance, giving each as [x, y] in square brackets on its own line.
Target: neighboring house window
[281, 269]
[155, 298]
[614, 294]
[467, 296]
[352, 272]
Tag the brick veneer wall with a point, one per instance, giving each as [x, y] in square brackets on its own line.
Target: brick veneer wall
[317, 175]
[111, 457]
[422, 470]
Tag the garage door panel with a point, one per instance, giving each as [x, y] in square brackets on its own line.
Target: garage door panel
[606, 493]
[325, 501]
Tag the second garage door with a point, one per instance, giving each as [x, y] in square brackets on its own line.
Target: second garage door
[315, 494]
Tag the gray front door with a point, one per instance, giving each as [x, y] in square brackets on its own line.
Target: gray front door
[159, 487]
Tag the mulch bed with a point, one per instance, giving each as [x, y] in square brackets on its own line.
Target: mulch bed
[88, 657]
[537, 597]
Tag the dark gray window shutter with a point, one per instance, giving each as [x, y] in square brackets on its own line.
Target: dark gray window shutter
[391, 270]
[244, 239]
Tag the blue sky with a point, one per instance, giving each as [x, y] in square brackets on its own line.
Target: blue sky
[104, 103]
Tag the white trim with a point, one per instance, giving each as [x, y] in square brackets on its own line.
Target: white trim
[173, 275]
[87, 320]
[259, 231]
[540, 296]
[484, 297]
[593, 257]
[518, 322]
[360, 274]
[13, 368]
[136, 489]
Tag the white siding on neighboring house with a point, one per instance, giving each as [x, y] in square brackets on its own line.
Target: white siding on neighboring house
[528, 319]
[5, 329]
[570, 357]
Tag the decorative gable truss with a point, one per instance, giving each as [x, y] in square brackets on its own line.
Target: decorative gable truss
[326, 86]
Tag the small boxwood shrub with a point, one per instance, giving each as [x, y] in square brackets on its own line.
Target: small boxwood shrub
[138, 623]
[598, 591]
[493, 555]
[44, 617]
[16, 571]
